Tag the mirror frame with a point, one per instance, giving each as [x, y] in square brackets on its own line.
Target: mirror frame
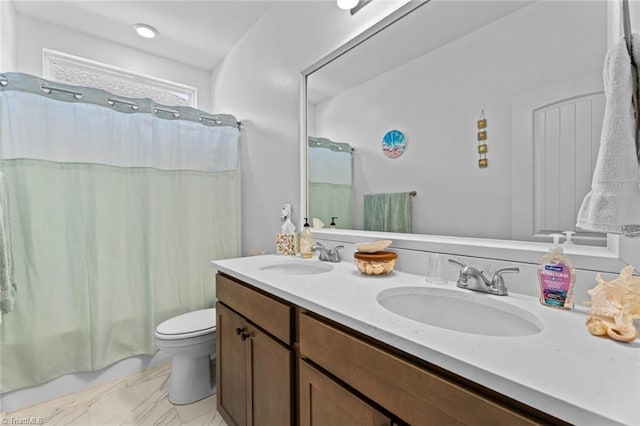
[618, 252]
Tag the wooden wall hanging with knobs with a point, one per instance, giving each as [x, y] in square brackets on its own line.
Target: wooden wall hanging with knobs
[483, 162]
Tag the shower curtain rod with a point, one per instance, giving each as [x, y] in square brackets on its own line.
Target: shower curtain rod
[68, 93]
[411, 193]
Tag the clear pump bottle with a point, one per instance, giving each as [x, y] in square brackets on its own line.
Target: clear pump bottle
[306, 241]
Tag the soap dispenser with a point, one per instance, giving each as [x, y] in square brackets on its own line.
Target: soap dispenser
[332, 225]
[306, 241]
[568, 234]
[556, 276]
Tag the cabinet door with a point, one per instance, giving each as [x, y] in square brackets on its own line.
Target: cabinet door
[231, 367]
[271, 387]
[254, 373]
[324, 402]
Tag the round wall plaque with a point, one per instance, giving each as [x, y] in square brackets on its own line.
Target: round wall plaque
[393, 144]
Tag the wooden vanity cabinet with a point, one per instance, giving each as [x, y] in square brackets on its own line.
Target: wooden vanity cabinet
[254, 356]
[338, 377]
[414, 394]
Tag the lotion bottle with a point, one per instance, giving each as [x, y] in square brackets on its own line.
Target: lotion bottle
[306, 241]
[556, 276]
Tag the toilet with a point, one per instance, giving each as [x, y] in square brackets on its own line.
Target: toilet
[191, 341]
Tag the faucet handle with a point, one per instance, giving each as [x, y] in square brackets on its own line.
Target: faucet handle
[498, 281]
[462, 278]
[501, 271]
[323, 254]
[335, 253]
[457, 262]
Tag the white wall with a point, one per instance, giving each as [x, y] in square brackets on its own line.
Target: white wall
[435, 100]
[33, 35]
[7, 36]
[259, 82]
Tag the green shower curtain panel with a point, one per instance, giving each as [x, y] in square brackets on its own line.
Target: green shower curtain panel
[107, 254]
[327, 200]
[114, 220]
[330, 181]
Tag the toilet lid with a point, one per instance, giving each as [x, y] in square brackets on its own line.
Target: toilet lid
[194, 323]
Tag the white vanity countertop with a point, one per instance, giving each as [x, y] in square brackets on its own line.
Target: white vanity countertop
[563, 370]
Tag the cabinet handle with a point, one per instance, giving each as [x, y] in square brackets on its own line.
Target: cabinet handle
[242, 333]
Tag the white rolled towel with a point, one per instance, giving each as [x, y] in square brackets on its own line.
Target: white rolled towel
[613, 204]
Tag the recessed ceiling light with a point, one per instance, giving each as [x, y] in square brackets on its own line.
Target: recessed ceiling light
[146, 31]
[347, 4]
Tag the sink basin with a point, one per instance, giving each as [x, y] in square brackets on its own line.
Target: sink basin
[298, 267]
[467, 312]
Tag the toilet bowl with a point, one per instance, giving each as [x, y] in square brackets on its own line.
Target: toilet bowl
[191, 341]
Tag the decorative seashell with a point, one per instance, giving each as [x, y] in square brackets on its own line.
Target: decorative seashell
[596, 326]
[373, 246]
[615, 305]
[632, 305]
[618, 299]
[623, 333]
[388, 267]
[606, 297]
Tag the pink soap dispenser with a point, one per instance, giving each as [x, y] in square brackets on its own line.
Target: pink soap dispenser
[556, 276]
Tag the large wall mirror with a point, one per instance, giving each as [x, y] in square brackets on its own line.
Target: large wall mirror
[532, 69]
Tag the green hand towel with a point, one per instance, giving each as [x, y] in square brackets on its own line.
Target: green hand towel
[387, 212]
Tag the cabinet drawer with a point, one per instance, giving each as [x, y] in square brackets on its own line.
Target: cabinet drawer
[273, 316]
[414, 394]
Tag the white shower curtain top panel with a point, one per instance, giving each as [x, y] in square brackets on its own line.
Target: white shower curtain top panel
[330, 166]
[77, 134]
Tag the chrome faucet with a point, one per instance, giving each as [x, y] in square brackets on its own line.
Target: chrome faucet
[474, 279]
[327, 255]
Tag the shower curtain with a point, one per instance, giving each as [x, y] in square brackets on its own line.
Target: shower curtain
[114, 218]
[330, 185]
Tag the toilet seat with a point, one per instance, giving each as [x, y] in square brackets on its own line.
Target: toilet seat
[191, 324]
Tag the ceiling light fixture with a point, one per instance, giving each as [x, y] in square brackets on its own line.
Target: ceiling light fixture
[146, 31]
[352, 5]
[347, 4]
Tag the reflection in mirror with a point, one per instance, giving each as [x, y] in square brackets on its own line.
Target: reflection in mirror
[534, 67]
[330, 182]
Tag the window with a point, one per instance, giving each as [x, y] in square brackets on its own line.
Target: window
[77, 71]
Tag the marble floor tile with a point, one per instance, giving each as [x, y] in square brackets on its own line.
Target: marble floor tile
[138, 399]
[63, 409]
[152, 373]
[161, 412]
[210, 419]
[124, 403]
[200, 408]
